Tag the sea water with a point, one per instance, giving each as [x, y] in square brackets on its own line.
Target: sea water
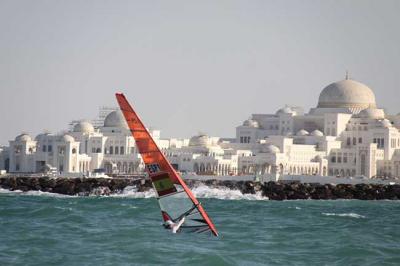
[39, 228]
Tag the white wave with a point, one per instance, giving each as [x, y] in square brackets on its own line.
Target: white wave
[224, 193]
[201, 191]
[132, 192]
[62, 208]
[34, 193]
[350, 214]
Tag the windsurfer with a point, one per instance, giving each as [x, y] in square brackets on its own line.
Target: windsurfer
[174, 226]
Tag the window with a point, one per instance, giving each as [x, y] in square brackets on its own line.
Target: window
[348, 141]
[345, 158]
[339, 158]
[44, 148]
[359, 140]
[333, 159]
[98, 150]
[363, 164]
[111, 150]
[116, 150]
[73, 151]
[354, 141]
[122, 150]
[50, 148]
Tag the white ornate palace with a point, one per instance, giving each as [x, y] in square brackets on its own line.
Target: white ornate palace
[345, 135]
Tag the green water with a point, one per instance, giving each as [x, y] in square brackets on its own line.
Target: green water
[49, 230]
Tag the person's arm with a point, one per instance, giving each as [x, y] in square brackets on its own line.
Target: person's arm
[177, 226]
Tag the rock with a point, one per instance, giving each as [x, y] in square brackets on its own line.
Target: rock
[101, 191]
[272, 190]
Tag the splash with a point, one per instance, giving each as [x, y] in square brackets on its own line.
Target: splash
[132, 192]
[224, 193]
[201, 191]
[34, 193]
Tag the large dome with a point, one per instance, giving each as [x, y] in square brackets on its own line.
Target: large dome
[347, 94]
[115, 119]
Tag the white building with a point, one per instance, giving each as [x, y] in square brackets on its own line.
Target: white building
[81, 150]
[346, 134]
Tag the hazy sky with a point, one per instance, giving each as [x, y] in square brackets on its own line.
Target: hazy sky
[188, 66]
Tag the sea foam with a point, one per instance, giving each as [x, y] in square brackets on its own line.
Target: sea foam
[350, 214]
[201, 191]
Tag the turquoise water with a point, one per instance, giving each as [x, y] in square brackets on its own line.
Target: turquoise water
[56, 230]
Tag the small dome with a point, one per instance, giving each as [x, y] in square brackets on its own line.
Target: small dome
[115, 119]
[372, 113]
[23, 138]
[199, 141]
[347, 94]
[41, 136]
[317, 133]
[67, 138]
[269, 148]
[318, 158]
[385, 123]
[84, 127]
[251, 123]
[302, 133]
[285, 110]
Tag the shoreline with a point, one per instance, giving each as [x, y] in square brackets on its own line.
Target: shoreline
[271, 190]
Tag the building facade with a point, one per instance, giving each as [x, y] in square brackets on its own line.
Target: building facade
[346, 134]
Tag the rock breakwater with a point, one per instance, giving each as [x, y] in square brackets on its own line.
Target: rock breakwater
[272, 190]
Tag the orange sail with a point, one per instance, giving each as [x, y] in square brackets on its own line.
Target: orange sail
[166, 181]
